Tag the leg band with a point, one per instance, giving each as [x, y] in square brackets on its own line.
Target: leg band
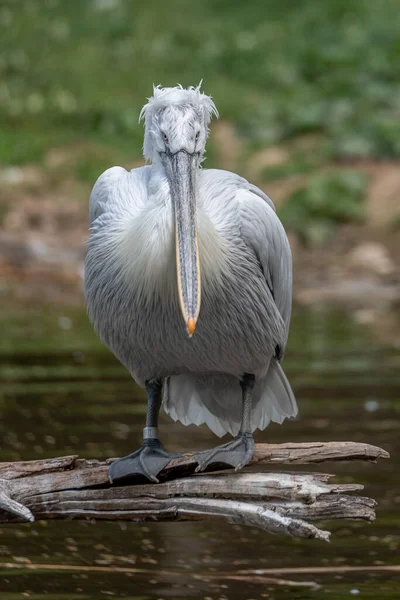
[150, 433]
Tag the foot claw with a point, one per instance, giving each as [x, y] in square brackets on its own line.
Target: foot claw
[237, 453]
[148, 461]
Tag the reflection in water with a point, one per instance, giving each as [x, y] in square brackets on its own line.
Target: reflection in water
[63, 393]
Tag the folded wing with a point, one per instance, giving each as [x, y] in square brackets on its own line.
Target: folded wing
[263, 232]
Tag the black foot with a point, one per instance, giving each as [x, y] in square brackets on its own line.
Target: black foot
[149, 460]
[237, 453]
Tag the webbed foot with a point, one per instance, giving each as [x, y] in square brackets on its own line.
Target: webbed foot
[237, 453]
[148, 461]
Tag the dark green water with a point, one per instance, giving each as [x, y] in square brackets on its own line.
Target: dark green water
[62, 393]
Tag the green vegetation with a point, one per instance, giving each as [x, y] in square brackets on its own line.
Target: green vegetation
[326, 200]
[277, 69]
[73, 72]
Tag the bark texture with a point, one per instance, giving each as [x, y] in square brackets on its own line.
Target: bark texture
[285, 503]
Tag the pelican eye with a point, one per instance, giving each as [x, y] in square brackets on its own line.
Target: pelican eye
[165, 138]
[197, 135]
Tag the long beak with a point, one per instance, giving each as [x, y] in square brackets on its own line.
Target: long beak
[187, 253]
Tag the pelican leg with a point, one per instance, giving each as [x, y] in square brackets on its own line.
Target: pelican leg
[151, 457]
[240, 451]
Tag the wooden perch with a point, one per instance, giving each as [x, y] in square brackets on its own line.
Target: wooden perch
[74, 488]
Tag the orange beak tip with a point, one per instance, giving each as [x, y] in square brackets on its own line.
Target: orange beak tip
[191, 326]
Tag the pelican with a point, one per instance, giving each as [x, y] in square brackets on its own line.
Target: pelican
[188, 281]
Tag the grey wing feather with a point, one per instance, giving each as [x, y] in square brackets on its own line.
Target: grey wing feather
[255, 190]
[224, 178]
[264, 233]
[102, 192]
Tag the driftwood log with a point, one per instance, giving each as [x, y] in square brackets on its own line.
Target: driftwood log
[74, 488]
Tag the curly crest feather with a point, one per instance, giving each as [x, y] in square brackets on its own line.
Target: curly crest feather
[179, 100]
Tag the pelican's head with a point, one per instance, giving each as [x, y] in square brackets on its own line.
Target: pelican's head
[176, 130]
[176, 119]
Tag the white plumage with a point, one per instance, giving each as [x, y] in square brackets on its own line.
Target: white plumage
[136, 300]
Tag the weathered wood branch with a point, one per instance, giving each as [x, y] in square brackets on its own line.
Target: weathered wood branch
[284, 502]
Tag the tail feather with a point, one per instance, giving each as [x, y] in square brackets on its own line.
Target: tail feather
[216, 400]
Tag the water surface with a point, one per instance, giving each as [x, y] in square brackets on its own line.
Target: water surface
[63, 393]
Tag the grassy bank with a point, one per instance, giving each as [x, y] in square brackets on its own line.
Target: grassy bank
[75, 74]
[77, 70]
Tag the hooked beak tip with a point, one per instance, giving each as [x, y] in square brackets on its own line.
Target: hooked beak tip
[191, 326]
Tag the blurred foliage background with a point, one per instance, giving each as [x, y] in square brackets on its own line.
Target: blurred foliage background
[77, 70]
[308, 93]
